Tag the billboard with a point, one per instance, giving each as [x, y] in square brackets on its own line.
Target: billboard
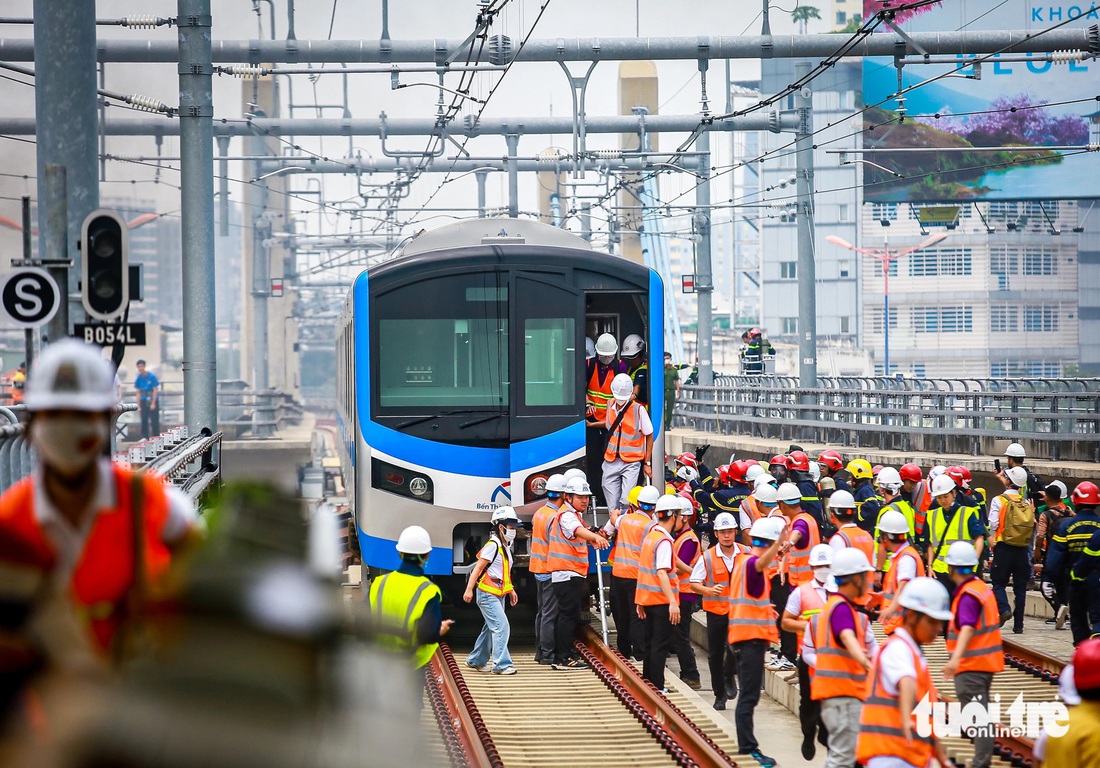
[1009, 100]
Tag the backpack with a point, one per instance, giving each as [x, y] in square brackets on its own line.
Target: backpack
[1019, 521]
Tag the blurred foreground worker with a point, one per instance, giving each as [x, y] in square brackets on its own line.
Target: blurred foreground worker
[547, 612]
[752, 625]
[688, 550]
[900, 680]
[710, 578]
[905, 565]
[405, 606]
[74, 533]
[1079, 746]
[1011, 532]
[843, 661]
[630, 531]
[491, 578]
[973, 641]
[1067, 555]
[629, 448]
[658, 594]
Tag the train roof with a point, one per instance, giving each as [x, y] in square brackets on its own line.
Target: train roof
[491, 231]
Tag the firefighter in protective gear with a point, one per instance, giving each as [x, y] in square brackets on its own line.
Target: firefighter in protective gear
[905, 564]
[491, 579]
[1079, 746]
[600, 372]
[900, 679]
[1070, 559]
[832, 466]
[657, 596]
[947, 523]
[72, 531]
[868, 502]
[800, 472]
[629, 444]
[630, 531]
[973, 640]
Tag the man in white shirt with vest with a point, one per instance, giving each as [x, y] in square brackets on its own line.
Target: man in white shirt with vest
[629, 448]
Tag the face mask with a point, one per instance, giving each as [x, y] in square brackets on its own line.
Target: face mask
[605, 359]
[509, 535]
[70, 444]
[821, 574]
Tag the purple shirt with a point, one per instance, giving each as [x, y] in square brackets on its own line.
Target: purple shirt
[842, 618]
[754, 579]
[970, 611]
[802, 527]
[686, 555]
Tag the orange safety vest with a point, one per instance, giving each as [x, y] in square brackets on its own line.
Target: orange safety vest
[491, 585]
[751, 618]
[598, 394]
[686, 535]
[716, 572]
[890, 584]
[798, 560]
[854, 536]
[812, 604]
[880, 731]
[922, 500]
[632, 530]
[540, 539]
[627, 441]
[837, 673]
[18, 387]
[777, 565]
[984, 652]
[649, 590]
[104, 574]
[752, 509]
[563, 554]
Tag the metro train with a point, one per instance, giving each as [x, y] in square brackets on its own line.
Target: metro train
[460, 377]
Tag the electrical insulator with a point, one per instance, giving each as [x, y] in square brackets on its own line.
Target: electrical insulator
[500, 50]
[1065, 57]
[147, 103]
[143, 22]
[245, 70]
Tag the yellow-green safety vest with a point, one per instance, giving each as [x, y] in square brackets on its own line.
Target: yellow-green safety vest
[397, 601]
[901, 505]
[939, 530]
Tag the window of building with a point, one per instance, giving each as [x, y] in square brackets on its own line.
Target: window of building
[1029, 368]
[1003, 263]
[1040, 318]
[876, 319]
[1004, 318]
[893, 268]
[841, 18]
[845, 267]
[949, 319]
[788, 270]
[847, 99]
[789, 325]
[941, 261]
[887, 211]
[843, 212]
[1039, 261]
[845, 324]
[919, 370]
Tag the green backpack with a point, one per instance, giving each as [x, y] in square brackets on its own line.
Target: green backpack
[1019, 521]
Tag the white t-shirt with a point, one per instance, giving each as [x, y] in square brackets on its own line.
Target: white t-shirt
[809, 643]
[699, 570]
[662, 555]
[906, 567]
[569, 524]
[837, 542]
[794, 602]
[995, 507]
[495, 552]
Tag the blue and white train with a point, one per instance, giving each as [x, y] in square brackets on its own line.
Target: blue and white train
[460, 377]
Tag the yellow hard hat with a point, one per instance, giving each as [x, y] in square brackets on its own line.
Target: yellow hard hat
[632, 497]
[860, 469]
[670, 489]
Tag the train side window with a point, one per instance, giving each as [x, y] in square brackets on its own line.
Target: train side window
[549, 361]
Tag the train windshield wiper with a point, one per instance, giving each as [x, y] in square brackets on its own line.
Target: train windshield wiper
[482, 420]
[422, 419]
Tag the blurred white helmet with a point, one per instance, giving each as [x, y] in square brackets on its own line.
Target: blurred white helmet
[649, 495]
[1016, 451]
[555, 483]
[842, 500]
[766, 494]
[789, 493]
[668, 504]
[687, 474]
[766, 528]
[606, 345]
[414, 540]
[961, 554]
[926, 595]
[686, 506]
[589, 348]
[942, 484]
[889, 478]
[73, 376]
[893, 522]
[622, 387]
[633, 345]
[754, 472]
[815, 471]
[936, 471]
[764, 479]
[506, 516]
[724, 521]
[821, 555]
[577, 486]
[850, 561]
[574, 472]
[1017, 475]
[1061, 487]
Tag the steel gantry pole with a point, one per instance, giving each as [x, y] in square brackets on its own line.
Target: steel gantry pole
[197, 215]
[512, 140]
[807, 273]
[704, 284]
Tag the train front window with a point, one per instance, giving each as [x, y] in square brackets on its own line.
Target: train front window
[549, 361]
[443, 344]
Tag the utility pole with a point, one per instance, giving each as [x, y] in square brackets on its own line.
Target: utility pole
[261, 279]
[200, 405]
[481, 176]
[807, 274]
[512, 140]
[704, 283]
[65, 102]
[53, 242]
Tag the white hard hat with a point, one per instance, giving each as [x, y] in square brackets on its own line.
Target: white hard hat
[70, 375]
[622, 387]
[942, 484]
[724, 522]
[888, 477]
[589, 348]
[766, 494]
[687, 473]
[606, 345]
[686, 506]
[668, 503]
[414, 540]
[936, 471]
[789, 493]
[926, 595]
[821, 555]
[961, 554]
[574, 472]
[1060, 486]
[555, 483]
[842, 500]
[893, 522]
[765, 479]
[633, 345]
[505, 515]
[815, 471]
[850, 561]
[649, 495]
[753, 472]
[577, 486]
[767, 528]
[1016, 451]
[1017, 475]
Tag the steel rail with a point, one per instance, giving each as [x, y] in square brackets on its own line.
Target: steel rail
[462, 724]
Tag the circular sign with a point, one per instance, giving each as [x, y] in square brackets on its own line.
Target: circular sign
[30, 297]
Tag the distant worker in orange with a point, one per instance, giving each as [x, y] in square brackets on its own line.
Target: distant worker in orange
[19, 384]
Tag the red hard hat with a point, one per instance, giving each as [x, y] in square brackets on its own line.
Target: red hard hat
[911, 472]
[1086, 493]
[688, 459]
[1086, 662]
[737, 471]
[958, 474]
[724, 474]
[966, 475]
[799, 461]
[831, 459]
[752, 463]
[779, 458]
[876, 469]
[754, 332]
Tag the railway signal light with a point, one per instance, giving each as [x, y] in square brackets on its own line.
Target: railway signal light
[105, 283]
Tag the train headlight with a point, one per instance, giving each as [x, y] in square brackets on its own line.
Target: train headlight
[402, 481]
[536, 486]
[418, 486]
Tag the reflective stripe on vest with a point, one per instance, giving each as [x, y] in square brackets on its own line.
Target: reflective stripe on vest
[397, 601]
[811, 602]
[856, 537]
[798, 566]
[491, 585]
[563, 554]
[880, 731]
[984, 652]
[627, 441]
[715, 572]
[685, 536]
[649, 590]
[631, 531]
[752, 508]
[890, 585]
[837, 673]
[540, 543]
[939, 531]
[598, 394]
[751, 618]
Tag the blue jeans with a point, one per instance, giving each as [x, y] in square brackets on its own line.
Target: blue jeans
[494, 635]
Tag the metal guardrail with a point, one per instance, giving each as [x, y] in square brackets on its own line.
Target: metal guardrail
[192, 463]
[241, 411]
[908, 384]
[1060, 422]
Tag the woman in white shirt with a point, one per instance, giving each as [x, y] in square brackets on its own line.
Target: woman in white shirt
[491, 580]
